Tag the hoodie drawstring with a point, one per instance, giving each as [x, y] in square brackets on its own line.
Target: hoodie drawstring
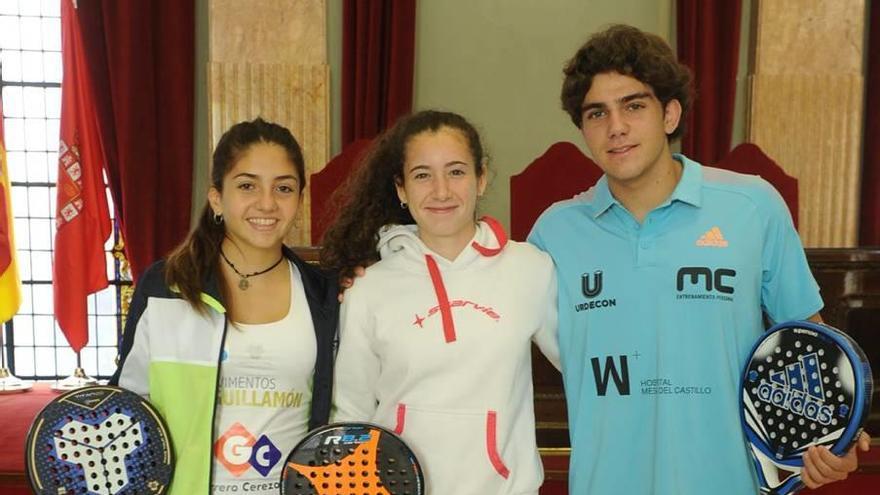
[500, 235]
[442, 299]
[437, 278]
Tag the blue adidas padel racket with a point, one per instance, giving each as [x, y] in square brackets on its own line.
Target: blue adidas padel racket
[352, 458]
[805, 384]
[99, 440]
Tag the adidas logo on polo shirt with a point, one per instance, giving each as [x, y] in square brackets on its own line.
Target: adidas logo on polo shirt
[712, 238]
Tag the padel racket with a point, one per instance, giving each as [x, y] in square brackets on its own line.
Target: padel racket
[352, 458]
[805, 384]
[99, 440]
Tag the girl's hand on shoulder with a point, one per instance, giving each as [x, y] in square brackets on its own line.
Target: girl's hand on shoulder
[345, 282]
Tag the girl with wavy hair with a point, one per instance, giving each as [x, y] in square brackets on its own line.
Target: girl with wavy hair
[435, 338]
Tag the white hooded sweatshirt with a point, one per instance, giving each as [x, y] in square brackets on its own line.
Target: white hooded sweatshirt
[440, 352]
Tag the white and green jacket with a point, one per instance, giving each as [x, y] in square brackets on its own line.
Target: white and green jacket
[170, 353]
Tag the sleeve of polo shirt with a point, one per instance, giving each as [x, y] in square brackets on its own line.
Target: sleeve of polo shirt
[534, 237]
[788, 289]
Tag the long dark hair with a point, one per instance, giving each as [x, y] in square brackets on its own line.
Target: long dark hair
[197, 257]
[368, 201]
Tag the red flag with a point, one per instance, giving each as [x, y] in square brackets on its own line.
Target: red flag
[10, 284]
[82, 218]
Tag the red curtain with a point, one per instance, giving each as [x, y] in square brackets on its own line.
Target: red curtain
[378, 50]
[142, 60]
[870, 227]
[708, 43]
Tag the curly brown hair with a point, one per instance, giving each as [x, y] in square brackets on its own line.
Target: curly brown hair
[368, 201]
[631, 52]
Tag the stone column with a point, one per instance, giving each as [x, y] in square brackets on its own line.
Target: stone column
[806, 106]
[268, 58]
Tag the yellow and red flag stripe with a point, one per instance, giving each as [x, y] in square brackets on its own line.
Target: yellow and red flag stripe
[10, 283]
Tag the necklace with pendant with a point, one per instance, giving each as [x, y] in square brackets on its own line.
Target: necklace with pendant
[243, 282]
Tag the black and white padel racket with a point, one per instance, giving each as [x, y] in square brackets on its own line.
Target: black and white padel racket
[805, 384]
[99, 440]
[352, 458]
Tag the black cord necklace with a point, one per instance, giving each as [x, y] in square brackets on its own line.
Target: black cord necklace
[243, 283]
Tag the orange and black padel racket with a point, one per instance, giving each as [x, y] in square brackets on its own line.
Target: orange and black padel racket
[352, 458]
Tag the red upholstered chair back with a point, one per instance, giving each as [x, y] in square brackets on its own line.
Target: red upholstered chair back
[322, 185]
[748, 158]
[560, 173]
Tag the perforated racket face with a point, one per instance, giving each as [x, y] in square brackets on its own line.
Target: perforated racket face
[805, 384]
[99, 440]
[352, 459]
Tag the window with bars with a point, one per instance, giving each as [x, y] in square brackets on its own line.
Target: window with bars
[30, 80]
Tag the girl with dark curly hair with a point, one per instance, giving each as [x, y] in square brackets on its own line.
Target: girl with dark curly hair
[436, 336]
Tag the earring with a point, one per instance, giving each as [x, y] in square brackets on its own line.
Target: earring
[218, 218]
[402, 205]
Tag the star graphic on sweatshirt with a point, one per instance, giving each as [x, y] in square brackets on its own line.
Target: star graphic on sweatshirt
[418, 321]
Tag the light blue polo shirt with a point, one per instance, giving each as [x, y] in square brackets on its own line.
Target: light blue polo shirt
[655, 324]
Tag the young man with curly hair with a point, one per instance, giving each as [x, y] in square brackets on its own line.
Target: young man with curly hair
[651, 353]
